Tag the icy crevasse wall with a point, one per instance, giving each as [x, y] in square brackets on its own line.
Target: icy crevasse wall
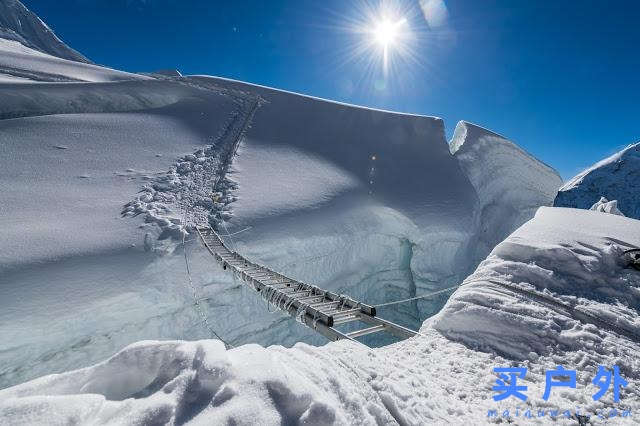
[615, 178]
[510, 184]
[361, 201]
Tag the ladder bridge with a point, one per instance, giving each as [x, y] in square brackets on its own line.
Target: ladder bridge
[318, 309]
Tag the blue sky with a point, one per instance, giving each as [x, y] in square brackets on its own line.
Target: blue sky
[561, 78]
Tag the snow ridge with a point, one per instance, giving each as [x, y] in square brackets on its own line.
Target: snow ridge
[20, 24]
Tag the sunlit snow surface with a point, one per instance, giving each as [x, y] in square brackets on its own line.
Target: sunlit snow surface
[442, 376]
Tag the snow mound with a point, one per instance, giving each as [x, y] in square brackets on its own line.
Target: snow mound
[510, 183]
[20, 24]
[559, 282]
[616, 178]
[606, 206]
[443, 375]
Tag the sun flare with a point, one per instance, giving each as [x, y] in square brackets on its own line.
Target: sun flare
[386, 32]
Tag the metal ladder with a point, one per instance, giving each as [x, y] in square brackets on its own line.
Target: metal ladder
[318, 309]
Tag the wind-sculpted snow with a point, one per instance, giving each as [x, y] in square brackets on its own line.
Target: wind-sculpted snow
[20, 24]
[558, 284]
[444, 375]
[615, 178]
[510, 183]
[606, 206]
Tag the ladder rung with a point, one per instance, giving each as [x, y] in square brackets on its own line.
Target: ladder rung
[228, 256]
[280, 281]
[317, 296]
[365, 331]
[324, 304]
[299, 293]
[343, 320]
[338, 313]
[286, 290]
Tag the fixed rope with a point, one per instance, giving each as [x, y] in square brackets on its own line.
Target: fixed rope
[196, 300]
[424, 296]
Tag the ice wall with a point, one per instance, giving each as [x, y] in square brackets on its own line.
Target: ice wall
[510, 183]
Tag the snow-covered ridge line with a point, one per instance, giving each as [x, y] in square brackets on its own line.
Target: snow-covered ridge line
[20, 24]
[613, 158]
[317, 98]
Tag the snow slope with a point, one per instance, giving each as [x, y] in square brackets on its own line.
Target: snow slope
[615, 178]
[17, 60]
[20, 24]
[502, 316]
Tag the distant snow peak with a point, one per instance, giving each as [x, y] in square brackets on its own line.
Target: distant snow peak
[606, 206]
[615, 178]
[20, 24]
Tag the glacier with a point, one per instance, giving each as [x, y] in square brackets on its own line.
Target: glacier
[359, 201]
[508, 312]
[102, 173]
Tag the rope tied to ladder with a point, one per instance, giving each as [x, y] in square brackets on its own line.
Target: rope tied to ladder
[199, 309]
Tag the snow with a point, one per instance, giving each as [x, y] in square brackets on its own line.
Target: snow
[21, 61]
[443, 375]
[101, 177]
[317, 206]
[606, 206]
[20, 24]
[615, 178]
[510, 183]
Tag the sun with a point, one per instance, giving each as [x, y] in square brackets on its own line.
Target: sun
[386, 32]
[385, 39]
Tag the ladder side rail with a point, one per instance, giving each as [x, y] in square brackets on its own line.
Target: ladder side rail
[393, 328]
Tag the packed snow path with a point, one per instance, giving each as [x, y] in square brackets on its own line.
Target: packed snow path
[312, 306]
